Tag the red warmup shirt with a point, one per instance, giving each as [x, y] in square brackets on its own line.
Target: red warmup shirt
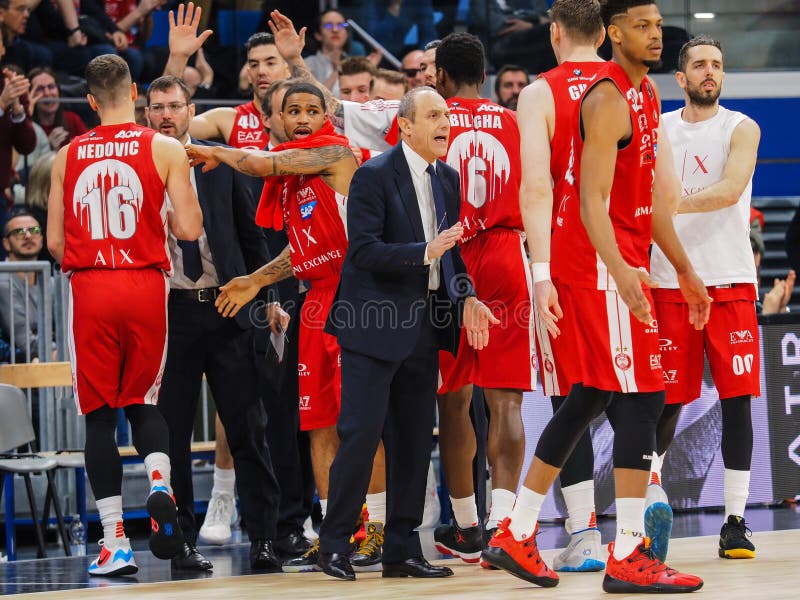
[484, 149]
[115, 212]
[630, 205]
[248, 131]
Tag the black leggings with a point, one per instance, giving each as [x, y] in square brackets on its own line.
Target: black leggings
[103, 464]
[580, 464]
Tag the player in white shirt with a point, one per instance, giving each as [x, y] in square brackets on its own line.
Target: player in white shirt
[715, 155]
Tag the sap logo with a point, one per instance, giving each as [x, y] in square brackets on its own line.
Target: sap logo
[305, 402]
[306, 210]
[655, 361]
[741, 337]
[671, 376]
[125, 135]
[490, 108]
[302, 370]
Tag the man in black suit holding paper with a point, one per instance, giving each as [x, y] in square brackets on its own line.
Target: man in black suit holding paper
[404, 292]
[203, 341]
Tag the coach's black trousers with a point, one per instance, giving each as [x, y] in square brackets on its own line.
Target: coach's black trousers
[201, 341]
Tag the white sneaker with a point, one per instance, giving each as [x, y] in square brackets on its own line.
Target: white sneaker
[582, 554]
[115, 560]
[221, 513]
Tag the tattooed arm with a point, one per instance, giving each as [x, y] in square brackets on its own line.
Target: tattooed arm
[258, 163]
[241, 290]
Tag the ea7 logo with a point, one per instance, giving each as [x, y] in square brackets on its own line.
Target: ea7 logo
[671, 376]
[126, 135]
[655, 361]
[304, 402]
[742, 336]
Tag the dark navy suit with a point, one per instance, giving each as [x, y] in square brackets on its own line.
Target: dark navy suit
[390, 328]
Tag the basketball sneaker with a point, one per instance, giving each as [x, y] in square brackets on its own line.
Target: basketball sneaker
[642, 572]
[733, 542]
[220, 514]
[582, 554]
[166, 537]
[466, 544]
[518, 558]
[115, 560]
[488, 536]
[305, 563]
[368, 557]
[658, 520]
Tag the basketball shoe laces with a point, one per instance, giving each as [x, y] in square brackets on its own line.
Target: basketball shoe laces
[373, 542]
[649, 561]
[220, 506]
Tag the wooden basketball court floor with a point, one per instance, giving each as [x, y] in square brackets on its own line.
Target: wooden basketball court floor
[773, 574]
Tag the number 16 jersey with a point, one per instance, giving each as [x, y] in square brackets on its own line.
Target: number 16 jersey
[115, 213]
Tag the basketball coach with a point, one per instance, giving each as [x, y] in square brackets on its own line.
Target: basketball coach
[403, 294]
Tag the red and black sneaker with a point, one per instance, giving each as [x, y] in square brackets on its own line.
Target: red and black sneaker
[642, 572]
[518, 558]
[166, 537]
[466, 543]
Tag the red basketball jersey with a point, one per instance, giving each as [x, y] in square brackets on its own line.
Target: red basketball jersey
[630, 205]
[248, 131]
[314, 213]
[484, 149]
[115, 212]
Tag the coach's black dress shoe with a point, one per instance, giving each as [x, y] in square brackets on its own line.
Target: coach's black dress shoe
[263, 557]
[415, 567]
[291, 546]
[190, 559]
[336, 565]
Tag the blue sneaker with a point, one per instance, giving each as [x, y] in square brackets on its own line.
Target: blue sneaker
[583, 554]
[658, 520]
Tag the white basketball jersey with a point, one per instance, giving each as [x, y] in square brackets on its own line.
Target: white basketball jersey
[717, 242]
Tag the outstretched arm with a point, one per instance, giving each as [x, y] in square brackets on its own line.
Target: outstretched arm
[259, 163]
[241, 290]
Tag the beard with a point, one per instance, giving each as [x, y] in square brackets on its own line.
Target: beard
[653, 64]
[699, 97]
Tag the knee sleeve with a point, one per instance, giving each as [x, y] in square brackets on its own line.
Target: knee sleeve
[580, 464]
[665, 429]
[569, 422]
[737, 433]
[149, 429]
[633, 418]
[103, 465]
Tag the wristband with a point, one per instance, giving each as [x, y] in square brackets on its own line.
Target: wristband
[73, 30]
[541, 271]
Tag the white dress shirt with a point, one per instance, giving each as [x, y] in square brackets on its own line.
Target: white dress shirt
[422, 186]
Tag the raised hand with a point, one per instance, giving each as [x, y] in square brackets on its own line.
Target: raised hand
[183, 24]
[288, 41]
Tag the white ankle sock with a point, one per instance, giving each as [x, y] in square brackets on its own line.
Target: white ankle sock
[158, 469]
[502, 505]
[376, 507]
[737, 489]
[224, 480]
[579, 499]
[525, 513]
[465, 511]
[110, 510]
[323, 504]
[655, 468]
[630, 526]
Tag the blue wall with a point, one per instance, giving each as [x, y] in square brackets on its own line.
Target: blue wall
[780, 141]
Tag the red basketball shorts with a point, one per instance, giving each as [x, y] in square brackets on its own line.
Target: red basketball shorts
[558, 368]
[496, 261]
[616, 351]
[729, 339]
[117, 336]
[319, 361]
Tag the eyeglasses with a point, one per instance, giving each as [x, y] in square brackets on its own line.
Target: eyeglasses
[173, 107]
[50, 87]
[411, 72]
[336, 25]
[21, 232]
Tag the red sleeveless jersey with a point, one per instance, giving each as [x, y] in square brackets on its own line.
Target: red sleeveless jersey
[630, 206]
[248, 131]
[115, 212]
[313, 212]
[484, 149]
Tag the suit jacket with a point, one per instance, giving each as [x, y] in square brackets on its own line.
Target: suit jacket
[383, 292]
[238, 245]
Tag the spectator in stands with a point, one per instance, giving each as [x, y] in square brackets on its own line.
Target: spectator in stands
[331, 34]
[36, 194]
[390, 22]
[16, 130]
[510, 81]
[412, 70]
[19, 302]
[428, 64]
[355, 79]
[60, 125]
[514, 31]
[388, 85]
[777, 299]
[25, 53]
[199, 78]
